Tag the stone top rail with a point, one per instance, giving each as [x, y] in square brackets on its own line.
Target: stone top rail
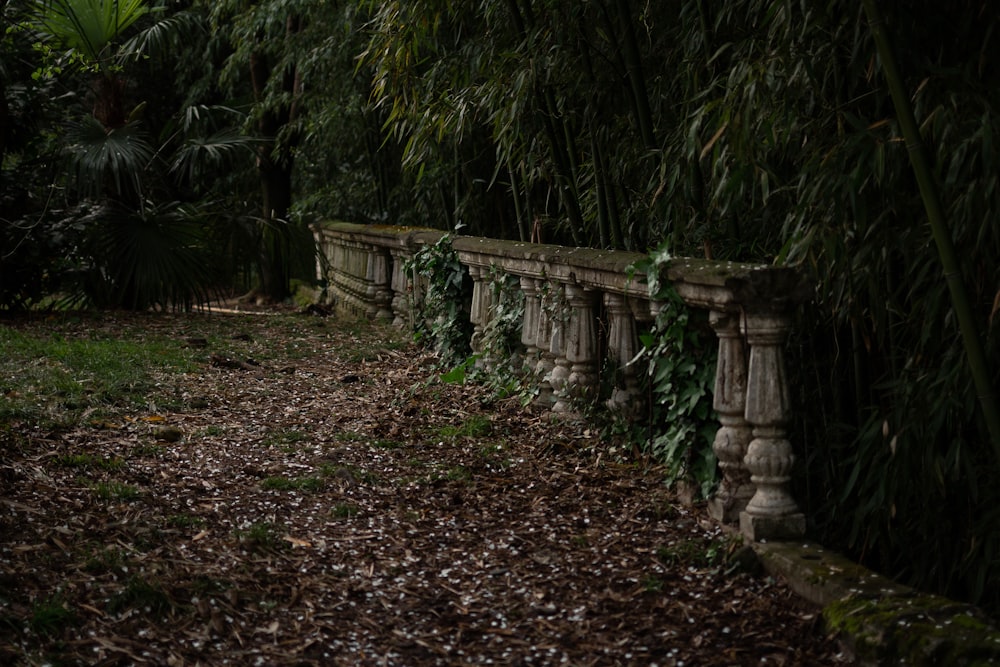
[567, 291]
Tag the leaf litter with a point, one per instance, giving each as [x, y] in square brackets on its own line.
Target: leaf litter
[319, 499]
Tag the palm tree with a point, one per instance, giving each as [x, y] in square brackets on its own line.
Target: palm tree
[145, 246]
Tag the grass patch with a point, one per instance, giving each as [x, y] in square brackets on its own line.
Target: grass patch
[55, 381]
[387, 444]
[141, 595]
[89, 461]
[105, 560]
[148, 451]
[184, 521]
[308, 484]
[476, 426]
[51, 616]
[286, 439]
[652, 585]
[349, 474]
[115, 491]
[345, 511]
[261, 536]
[697, 553]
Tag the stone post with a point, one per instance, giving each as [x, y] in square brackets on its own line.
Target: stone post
[529, 325]
[402, 317]
[772, 512]
[623, 345]
[480, 311]
[734, 434]
[379, 292]
[581, 347]
[543, 340]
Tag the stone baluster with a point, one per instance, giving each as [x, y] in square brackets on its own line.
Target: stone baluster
[480, 311]
[623, 345]
[734, 434]
[529, 325]
[580, 347]
[543, 340]
[379, 291]
[772, 512]
[402, 317]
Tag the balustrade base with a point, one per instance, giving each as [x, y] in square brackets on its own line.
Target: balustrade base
[727, 509]
[758, 528]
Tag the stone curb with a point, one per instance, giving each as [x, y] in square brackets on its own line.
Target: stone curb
[879, 621]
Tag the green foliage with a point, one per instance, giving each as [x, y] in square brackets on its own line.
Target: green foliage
[55, 380]
[308, 484]
[141, 595]
[50, 616]
[88, 26]
[442, 312]
[109, 491]
[681, 372]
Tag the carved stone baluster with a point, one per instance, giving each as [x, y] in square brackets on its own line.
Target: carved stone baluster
[623, 345]
[543, 340]
[529, 325]
[479, 313]
[581, 347]
[772, 512]
[379, 290]
[734, 434]
[559, 375]
[400, 288]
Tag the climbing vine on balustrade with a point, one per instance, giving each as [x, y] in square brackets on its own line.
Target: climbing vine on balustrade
[499, 363]
[680, 364]
[444, 288]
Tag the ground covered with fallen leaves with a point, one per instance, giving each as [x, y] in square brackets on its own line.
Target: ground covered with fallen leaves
[309, 492]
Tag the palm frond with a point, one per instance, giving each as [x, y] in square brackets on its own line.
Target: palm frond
[156, 256]
[164, 35]
[86, 25]
[218, 151]
[104, 159]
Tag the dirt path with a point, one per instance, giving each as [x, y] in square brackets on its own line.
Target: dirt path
[306, 496]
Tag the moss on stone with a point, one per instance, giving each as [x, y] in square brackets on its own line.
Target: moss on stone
[914, 629]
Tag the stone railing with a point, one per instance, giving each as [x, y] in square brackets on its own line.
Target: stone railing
[565, 289]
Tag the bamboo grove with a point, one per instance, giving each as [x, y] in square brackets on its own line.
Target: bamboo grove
[756, 130]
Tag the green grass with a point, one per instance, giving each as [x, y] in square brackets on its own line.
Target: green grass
[89, 461]
[105, 560]
[476, 426]
[261, 536]
[184, 521]
[344, 510]
[387, 444]
[141, 595]
[286, 439]
[114, 491]
[50, 616]
[53, 380]
[292, 484]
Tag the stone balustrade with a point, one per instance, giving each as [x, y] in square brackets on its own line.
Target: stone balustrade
[581, 304]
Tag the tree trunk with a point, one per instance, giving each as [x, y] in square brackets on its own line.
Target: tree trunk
[274, 165]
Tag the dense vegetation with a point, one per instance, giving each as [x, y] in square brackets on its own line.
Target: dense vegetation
[754, 130]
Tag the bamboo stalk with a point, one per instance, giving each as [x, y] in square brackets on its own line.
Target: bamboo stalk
[920, 162]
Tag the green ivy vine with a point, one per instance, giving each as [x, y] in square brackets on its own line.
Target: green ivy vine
[681, 374]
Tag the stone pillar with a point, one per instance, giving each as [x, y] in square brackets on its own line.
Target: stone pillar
[379, 291]
[581, 347]
[479, 314]
[734, 434]
[399, 283]
[623, 346]
[529, 325]
[543, 341]
[772, 512]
